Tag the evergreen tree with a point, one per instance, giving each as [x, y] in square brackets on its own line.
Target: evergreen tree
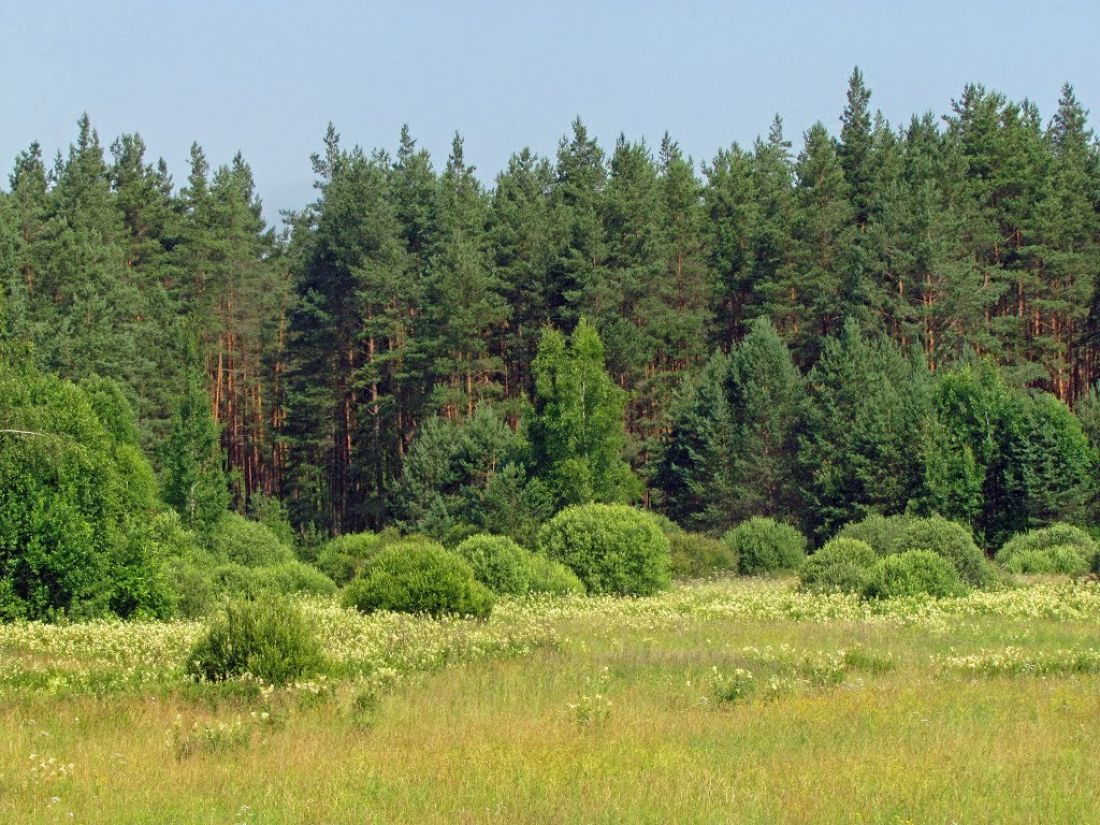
[194, 482]
[859, 432]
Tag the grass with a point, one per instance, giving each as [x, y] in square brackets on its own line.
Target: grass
[980, 709]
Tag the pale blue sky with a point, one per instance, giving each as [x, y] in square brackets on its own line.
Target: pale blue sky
[265, 77]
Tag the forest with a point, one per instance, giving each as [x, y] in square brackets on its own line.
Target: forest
[891, 320]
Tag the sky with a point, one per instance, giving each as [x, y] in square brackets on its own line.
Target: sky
[265, 78]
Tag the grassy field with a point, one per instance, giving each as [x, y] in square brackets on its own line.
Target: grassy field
[731, 701]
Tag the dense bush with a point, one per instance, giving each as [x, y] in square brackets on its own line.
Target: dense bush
[764, 545]
[239, 540]
[553, 577]
[289, 577]
[695, 555]
[883, 533]
[913, 573]
[75, 497]
[267, 638]
[342, 558]
[1060, 548]
[498, 563]
[611, 547]
[843, 564]
[419, 576]
[952, 542]
[1063, 559]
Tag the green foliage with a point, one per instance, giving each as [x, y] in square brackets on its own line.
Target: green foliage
[950, 541]
[467, 472]
[576, 431]
[914, 573]
[419, 576]
[284, 578]
[695, 555]
[272, 514]
[1060, 548]
[266, 638]
[764, 545]
[239, 540]
[860, 430]
[553, 577]
[194, 482]
[843, 564]
[728, 453]
[1002, 459]
[344, 557]
[611, 547]
[882, 533]
[73, 504]
[498, 563]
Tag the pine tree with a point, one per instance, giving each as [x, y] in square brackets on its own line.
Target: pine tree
[463, 303]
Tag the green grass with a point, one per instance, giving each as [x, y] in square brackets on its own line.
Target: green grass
[980, 709]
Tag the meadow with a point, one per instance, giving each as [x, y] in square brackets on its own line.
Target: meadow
[733, 700]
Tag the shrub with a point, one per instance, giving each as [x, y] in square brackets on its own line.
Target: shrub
[611, 547]
[267, 638]
[419, 576]
[343, 558]
[952, 542]
[278, 579]
[75, 493]
[764, 545]
[242, 541]
[1060, 548]
[843, 565]
[883, 533]
[695, 555]
[553, 577]
[913, 573]
[1063, 559]
[498, 563]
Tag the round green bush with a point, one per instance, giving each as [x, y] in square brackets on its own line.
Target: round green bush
[913, 573]
[883, 533]
[342, 558]
[1060, 548]
[1064, 559]
[267, 638]
[841, 565]
[695, 555]
[952, 542]
[553, 577]
[238, 540]
[611, 547]
[498, 563]
[419, 576]
[764, 545]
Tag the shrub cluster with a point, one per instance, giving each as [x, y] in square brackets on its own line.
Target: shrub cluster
[1060, 548]
[913, 573]
[695, 555]
[267, 638]
[763, 545]
[841, 565]
[553, 577]
[888, 535]
[419, 576]
[611, 548]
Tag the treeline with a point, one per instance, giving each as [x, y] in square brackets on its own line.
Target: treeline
[809, 334]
